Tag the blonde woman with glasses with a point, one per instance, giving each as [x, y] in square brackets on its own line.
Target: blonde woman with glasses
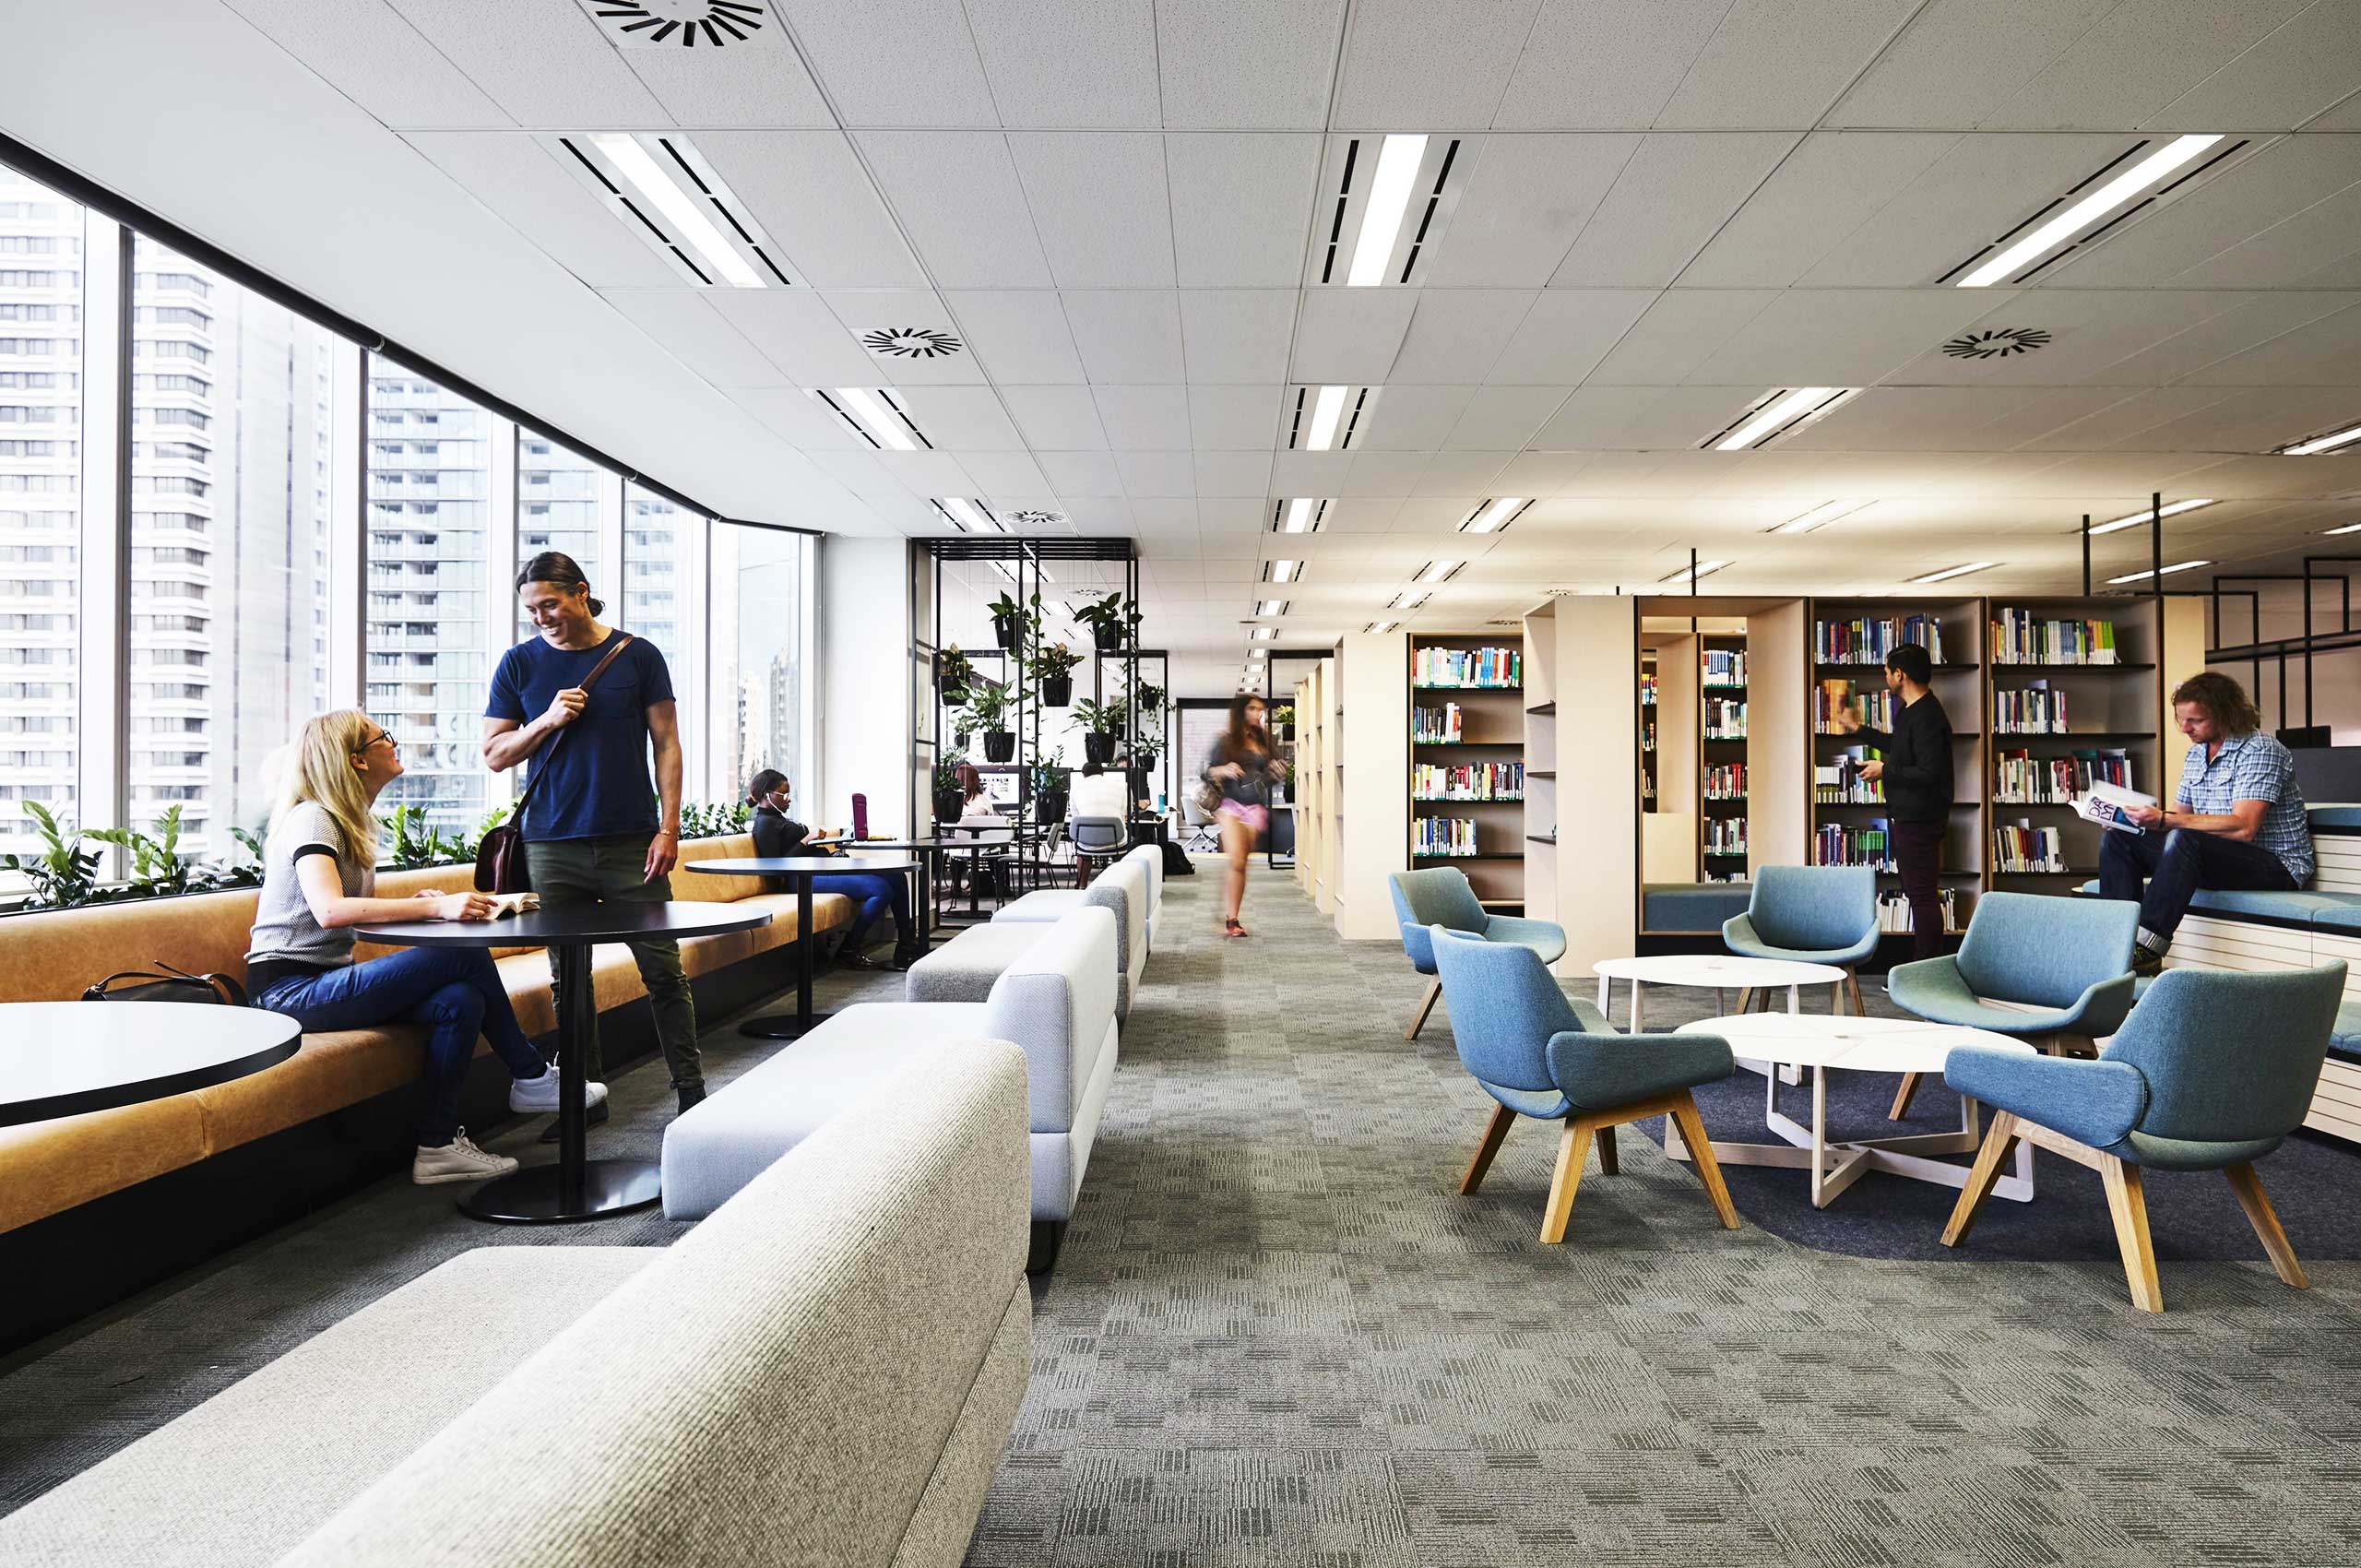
[319, 880]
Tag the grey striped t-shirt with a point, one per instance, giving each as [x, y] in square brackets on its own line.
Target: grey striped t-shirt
[284, 929]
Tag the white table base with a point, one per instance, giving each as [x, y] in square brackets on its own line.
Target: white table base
[1795, 1009]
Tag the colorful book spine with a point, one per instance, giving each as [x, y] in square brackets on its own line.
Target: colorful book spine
[1496, 667]
[2022, 847]
[1442, 838]
[1724, 720]
[1476, 782]
[1868, 642]
[1726, 836]
[1437, 726]
[1725, 781]
[1835, 845]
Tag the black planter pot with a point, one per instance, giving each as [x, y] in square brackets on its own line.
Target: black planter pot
[1004, 631]
[947, 803]
[1099, 749]
[1145, 761]
[1050, 808]
[959, 739]
[1056, 691]
[1106, 640]
[1000, 746]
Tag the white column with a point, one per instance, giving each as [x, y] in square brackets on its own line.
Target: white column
[347, 528]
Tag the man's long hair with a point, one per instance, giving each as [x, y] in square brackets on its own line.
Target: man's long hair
[2223, 700]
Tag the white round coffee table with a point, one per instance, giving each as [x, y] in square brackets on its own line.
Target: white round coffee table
[1854, 1045]
[1715, 972]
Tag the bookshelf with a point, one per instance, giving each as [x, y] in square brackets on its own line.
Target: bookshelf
[2074, 685]
[1647, 730]
[1466, 784]
[1850, 640]
[1722, 774]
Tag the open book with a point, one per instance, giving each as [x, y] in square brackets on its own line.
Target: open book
[503, 904]
[2104, 805]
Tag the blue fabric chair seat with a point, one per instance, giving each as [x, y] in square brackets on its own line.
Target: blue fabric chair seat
[2344, 814]
[1739, 936]
[1543, 936]
[2066, 961]
[1691, 906]
[2303, 906]
[1808, 915]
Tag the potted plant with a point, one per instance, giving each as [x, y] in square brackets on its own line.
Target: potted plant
[949, 798]
[1101, 724]
[953, 676]
[1050, 788]
[1008, 622]
[1111, 620]
[64, 874]
[988, 711]
[1054, 666]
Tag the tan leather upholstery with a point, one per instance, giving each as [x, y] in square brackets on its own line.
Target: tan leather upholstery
[52, 1166]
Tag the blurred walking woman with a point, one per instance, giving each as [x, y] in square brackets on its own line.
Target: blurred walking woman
[320, 880]
[1243, 765]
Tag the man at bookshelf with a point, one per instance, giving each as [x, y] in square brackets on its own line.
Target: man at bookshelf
[1917, 769]
[2237, 821]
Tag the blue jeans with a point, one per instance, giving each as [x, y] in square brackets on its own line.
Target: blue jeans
[877, 891]
[455, 992]
[2176, 864]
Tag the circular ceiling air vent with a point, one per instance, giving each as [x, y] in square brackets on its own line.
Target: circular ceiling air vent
[679, 24]
[1037, 519]
[1997, 344]
[910, 342]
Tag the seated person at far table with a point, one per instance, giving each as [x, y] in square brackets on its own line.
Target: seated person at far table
[1100, 792]
[2237, 821]
[778, 834]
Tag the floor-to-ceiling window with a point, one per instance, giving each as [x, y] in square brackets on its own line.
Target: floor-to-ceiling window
[232, 411]
[557, 508]
[41, 511]
[428, 634]
[758, 709]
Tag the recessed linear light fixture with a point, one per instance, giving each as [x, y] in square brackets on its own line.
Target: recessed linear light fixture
[1777, 413]
[1379, 628]
[1299, 514]
[662, 187]
[2152, 170]
[1436, 572]
[1702, 569]
[2175, 566]
[1820, 515]
[1389, 203]
[1326, 417]
[1948, 573]
[1495, 513]
[2170, 509]
[2349, 528]
[1270, 607]
[876, 416]
[1263, 635]
[1282, 571]
[968, 516]
[2336, 440]
[1408, 599]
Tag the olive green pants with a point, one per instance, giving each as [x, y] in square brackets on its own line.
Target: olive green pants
[612, 870]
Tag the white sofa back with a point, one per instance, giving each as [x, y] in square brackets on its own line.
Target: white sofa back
[1151, 860]
[1057, 1002]
[1124, 888]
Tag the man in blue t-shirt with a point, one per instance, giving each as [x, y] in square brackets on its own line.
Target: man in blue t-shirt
[595, 829]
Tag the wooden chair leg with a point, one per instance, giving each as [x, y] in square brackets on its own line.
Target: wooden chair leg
[2265, 1220]
[1980, 1177]
[1746, 999]
[1701, 1149]
[1853, 984]
[1610, 1162]
[1494, 1131]
[1902, 1096]
[1574, 1148]
[1426, 1005]
[2130, 1206]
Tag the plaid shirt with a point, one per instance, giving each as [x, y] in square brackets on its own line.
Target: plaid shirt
[2254, 767]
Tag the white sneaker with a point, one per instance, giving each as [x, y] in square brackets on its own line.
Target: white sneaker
[458, 1161]
[526, 1095]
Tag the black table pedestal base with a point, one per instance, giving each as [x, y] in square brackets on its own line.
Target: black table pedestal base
[540, 1194]
[782, 1025]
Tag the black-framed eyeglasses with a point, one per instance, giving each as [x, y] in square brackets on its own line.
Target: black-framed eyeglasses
[381, 735]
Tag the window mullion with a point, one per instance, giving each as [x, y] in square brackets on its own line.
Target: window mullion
[102, 791]
[500, 569]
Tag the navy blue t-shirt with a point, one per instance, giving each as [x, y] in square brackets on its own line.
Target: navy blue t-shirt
[598, 782]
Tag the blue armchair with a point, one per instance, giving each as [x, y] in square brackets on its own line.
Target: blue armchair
[1808, 915]
[1441, 896]
[2065, 962]
[2211, 1070]
[1539, 1054]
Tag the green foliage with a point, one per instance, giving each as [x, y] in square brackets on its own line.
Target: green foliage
[946, 777]
[157, 868]
[1109, 617]
[63, 874]
[953, 675]
[987, 707]
[715, 821]
[1099, 717]
[412, 841]
[1006, 608]
[1050, 774]
[1057, 659]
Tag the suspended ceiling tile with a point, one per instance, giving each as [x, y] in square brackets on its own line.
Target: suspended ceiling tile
[1057, 418]
[1350, 335]
[929, 474]
[1604, 64]
[997, 474]
[959, 199]
[1455, 333]
[1774, 63]
[2246, 210]
[1062, 66]
[1237, 334]
[1311, 474]
[796, 332]
[693, 333]
[861, 474]
[1152, 474]
[907, 313]
[811, 195]
[2219, 419]
[1502, 419]
[1127, 336]
[894, 63]
[1609, 418]
[1234, 418]
[1234, 473]
[1412, 419]
[2320, 241]
[1526, 200]
[1461, 473]
[759, 82]
[792, 413]
[962, 419]
[510, 174]
[1677, 332]
[1019, 336]
[1829, 186]
[2303, 67]
[1241, 208]
[2325, 353]
[1099, 204]
[1531, 474]
[2258, 321]
[1363, 514]
[1080, 473]
[2091, 331]
[1915, 419]
[1262, 66]
[1843, 336]
[542, 61]
[370, 53]
[2136, 59]
[1566, 335]
[1145, 418]
[1934, 74]
[1424, 65]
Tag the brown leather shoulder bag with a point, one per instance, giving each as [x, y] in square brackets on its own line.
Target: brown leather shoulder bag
[500, 858]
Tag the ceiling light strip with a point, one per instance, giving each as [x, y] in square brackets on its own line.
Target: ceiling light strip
[1703, 569]
[2171, 509]
[640, 170]
[1779, 413]
[2152, 170]
[1389, 200]
[2320, 443]
[1820, 515]
[1948, 573]
[1494, 514]
[2168, 571]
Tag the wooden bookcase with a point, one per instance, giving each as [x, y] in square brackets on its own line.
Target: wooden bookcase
[1721, 733]
[1492, 731]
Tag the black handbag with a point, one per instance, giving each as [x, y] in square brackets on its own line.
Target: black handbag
[500, 858]
[171, 985]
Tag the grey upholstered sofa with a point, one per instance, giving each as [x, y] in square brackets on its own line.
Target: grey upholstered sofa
[1125, 889]
[1056, 1001]
[826, 1371]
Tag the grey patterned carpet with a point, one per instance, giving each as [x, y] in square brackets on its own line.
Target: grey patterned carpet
[1278, 1336]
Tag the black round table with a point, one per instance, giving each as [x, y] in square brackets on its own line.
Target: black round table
[975, 845]
[576, 1187]
[921, 871]
[70, 1058]
[799, 869]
